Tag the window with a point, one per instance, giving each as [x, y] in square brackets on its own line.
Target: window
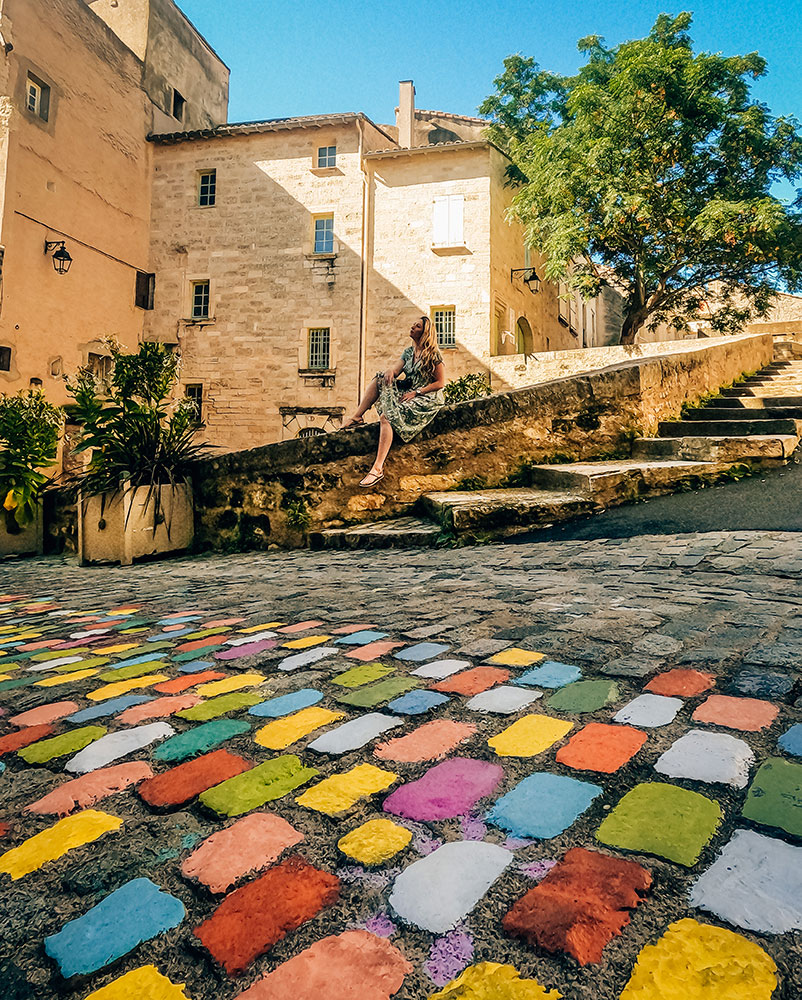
[179, 105]
[562, 303]
[445, 326]
[327, 156]
[319, 347]
[37, 97]
[194, 393]
[324, 234]
[524, 341]
[200, 299]
[447, 229]
[145, 287]
[5, 359]
[99, 364]
[207, 188]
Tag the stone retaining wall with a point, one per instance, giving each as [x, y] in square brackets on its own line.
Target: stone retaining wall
[274, 494]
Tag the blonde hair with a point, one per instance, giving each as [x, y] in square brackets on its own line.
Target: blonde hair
[429, 353]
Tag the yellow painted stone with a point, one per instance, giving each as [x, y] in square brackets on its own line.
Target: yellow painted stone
[67, 834]
[310, 640]
[375, 842]
[122, 687]
[119, 648]
[516, 657]
[259, 628]
[529, 736]
[694, 961]
[229, 684]
[144, 983]
[5, 677]
[491, 981]
[76, 675]
[341, 791]
[281, 733]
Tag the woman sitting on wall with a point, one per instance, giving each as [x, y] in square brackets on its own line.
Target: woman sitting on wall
[407, 396]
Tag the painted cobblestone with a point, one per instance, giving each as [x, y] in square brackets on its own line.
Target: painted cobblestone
[699, 789]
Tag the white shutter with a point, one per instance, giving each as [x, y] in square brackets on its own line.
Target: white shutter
[455, 231]
[440, 222]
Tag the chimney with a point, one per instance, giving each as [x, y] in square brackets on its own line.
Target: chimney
[405, 115]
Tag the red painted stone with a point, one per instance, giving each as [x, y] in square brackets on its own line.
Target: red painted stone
[23, 738]
[4, 828]
[252, 919]
[681, 683]
[209, 640]
[580, 906]
[179, 684]
[182, 783]
[471, 682]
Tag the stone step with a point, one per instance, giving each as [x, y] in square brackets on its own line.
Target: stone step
[764, 449]
[774, 398]
[617, 481]
[398, 533]
[755, 402]
[505, 511]
[743, 413]
[727, 428]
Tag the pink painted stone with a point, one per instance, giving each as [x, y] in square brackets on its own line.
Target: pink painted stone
[373, 650]
[249, 649]
[223, 622]
[299, 627]
[160, 708]
[90, 788]
[427, 742]
[44, 713]
[341, 967]
[250, 845]
[348, 629]
[446, 790]
[747, 714]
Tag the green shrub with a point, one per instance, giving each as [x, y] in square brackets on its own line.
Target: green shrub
[29, 433]
[474, 385]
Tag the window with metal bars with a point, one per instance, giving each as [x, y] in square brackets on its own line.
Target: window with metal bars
[194, 393]
[327, 156]
[200, 299]
[324, 234]
[207, 188]
[319, 347]
[445, 326]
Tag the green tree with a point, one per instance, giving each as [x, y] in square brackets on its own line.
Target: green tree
[29, 433]
[651, 170]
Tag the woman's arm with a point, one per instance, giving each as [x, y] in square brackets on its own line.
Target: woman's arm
[439, 382]
[396, 370]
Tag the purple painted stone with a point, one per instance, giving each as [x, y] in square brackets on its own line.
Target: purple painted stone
[248, 650]
[446, 790]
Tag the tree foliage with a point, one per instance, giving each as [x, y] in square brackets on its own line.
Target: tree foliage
[651, 170]
[29, 433]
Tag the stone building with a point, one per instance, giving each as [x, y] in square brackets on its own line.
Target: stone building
[82, 85]
[292, 256]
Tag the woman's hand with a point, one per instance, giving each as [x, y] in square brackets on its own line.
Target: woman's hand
[389, 375]
[408, 396]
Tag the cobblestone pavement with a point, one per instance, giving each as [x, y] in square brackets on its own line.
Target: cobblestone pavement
[515, 771]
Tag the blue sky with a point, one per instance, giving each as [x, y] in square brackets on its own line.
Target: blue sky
[298, 57]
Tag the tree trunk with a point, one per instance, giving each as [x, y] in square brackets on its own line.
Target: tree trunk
[632, 324]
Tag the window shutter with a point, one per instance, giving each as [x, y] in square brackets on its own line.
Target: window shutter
[440, 222]
[455, 230]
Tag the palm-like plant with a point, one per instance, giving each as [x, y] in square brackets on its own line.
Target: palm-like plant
[29, 433]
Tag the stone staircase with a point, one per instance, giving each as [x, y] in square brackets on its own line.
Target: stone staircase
[758, 422]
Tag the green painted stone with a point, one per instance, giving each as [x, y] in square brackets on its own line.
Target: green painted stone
[655, 818]
[261, 784]
[59, 746]
[363, 674]
[195, 654]
[135, 670]
[18, 682]
[376, 694]
[202, 633]
[215, 707]
[93, 661]
[199, 739]
[775, 796]
[584, 696]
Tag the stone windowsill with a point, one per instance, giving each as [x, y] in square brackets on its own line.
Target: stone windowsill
[450, 250]
[326, 171]
[324, 257]
[317, 372]
[199, 320]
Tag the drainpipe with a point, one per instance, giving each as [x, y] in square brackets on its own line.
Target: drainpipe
[363, 276]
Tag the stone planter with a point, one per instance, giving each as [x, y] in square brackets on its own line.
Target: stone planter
[27, 541]
[120, 529]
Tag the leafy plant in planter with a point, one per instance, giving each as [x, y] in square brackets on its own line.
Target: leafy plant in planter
[474, 385]
[29, 433]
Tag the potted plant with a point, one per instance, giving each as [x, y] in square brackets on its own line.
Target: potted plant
[29, 435]
[139, 442]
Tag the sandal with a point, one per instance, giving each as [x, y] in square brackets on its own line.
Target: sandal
[352, 422]
[374, 477]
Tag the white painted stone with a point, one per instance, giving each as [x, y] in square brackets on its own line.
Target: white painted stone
[702, 756]
[61, 661]
[250, 638]
[504, 700]
[649, 711]
[355, 734]
[440, 669]
[755, 883]
[112, 746]
[308, 656]
[441, 889]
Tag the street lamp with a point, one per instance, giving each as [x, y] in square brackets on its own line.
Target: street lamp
[530, 278]
[61, 257]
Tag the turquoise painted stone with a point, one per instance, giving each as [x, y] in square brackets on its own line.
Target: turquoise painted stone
[543, 805]
[136, 912]
[199, 739]
[417, 702]
[110, 707]
[550, 674]
[274, 708]
[791, 741]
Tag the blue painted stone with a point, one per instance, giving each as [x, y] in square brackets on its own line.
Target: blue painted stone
[147, 658]
[274, 708]
[361, 638]
[2, 766]
[195, 665]
[543, 805]
[178, 619]
[136, 912]
[199, 739]
[422, 651]
[761, 682]
[791, 741]
[417, 702]
[110, 707]
[550, 674]
[173, 635]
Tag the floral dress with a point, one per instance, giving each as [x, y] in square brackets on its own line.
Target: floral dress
[408, 419]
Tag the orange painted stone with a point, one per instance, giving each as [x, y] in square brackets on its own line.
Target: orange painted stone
[341, 967]
[428, 742]
[681, 683]
[373, 650]
[4, 828]
[581, 905]
[179, 684]
[300, 626]
[600, 747]
[747, 714]
[209, 640]
[470, 682]
[182, 783]
[44, 713]
[159, 708]
[91, 788]
[23, 738]
[250, 920]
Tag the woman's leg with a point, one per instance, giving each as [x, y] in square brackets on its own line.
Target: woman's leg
[385, 441]
[370, 397]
